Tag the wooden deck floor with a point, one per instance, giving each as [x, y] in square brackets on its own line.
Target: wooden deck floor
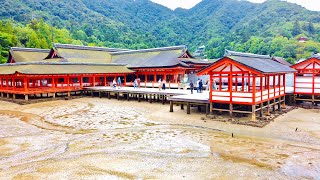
[174, 96]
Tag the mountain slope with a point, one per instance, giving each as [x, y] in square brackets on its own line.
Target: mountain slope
[268, 28]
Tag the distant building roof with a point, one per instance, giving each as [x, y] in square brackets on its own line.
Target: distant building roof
[50, 68]
[155, 57]
[73, 53]
[261, 63]
[19, 54]
[281, 60]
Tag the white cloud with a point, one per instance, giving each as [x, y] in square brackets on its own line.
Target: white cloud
[187, 4]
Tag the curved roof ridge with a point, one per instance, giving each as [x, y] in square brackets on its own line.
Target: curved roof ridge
[251, 55]
[93, 48]
[29, 49]
[169, 48]
[61, 63]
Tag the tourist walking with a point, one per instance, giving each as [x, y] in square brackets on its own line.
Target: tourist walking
[114, 83]
[135, 84]
[200, 86]
[160, 84]
[119, 83]
[197, 85]
[139, 81]
[208, 85]
[163, 84]
[191, 86]
[214, 85]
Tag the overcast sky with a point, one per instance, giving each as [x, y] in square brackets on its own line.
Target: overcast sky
[173, 4]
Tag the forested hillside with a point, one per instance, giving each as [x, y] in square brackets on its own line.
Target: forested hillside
[271, 28]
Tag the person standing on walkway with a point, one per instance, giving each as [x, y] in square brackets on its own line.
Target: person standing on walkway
[119, 83]
[114, 83]
[163, 84]
[197, 85]
[138, 81]
[160, 84]
[135, 83]
[191, 87]
[200, 86]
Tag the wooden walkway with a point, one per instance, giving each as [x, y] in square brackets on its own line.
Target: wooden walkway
[175, 96]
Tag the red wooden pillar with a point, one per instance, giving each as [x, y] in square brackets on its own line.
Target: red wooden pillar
[105, 80]
[220, 82]
[210, 87]
[313, 77]
[242, 81]
[94, 81]
[279, 80]
[53, 84]
[274, 85]
[249, 81]
[25, 85]
[230, 83]
[268, 82]
[68, 82]
[284, 83]
[13, 84]
[261, 79]
[236, 82]
[294, 83]
[254, 89]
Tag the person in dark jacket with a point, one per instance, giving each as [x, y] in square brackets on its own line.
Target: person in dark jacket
[191, 86]
[200, 86]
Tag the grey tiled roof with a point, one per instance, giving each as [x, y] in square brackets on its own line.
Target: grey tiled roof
[281, 60]
[147, 58]
[92, 48]
[262, 65]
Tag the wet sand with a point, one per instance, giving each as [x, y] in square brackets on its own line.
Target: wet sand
[92, 138]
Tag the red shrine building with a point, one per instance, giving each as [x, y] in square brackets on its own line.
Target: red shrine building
[307, 79]
[246, 83]
[70, 68]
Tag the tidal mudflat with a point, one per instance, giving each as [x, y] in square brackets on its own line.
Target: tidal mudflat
[92, 138]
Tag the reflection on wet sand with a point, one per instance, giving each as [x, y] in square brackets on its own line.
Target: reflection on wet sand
[99, 138]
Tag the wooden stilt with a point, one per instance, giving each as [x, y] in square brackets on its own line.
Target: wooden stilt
[279, 103]
[26, 97]
[230, 109]
[207, 108]
[261, 109]
[211, 107]
[253, 117]
[182, 106]
[163, 98]
[199, 108]
[54, 95]
[139, 97]
[268, 109]
[171, 106]
[100, 94]
[13, 96]
[128, 97]
[91, 93]
[188, 108]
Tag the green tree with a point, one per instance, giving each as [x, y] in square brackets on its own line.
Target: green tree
[296, 29]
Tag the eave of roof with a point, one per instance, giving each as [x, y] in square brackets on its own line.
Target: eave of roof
[52, 68]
